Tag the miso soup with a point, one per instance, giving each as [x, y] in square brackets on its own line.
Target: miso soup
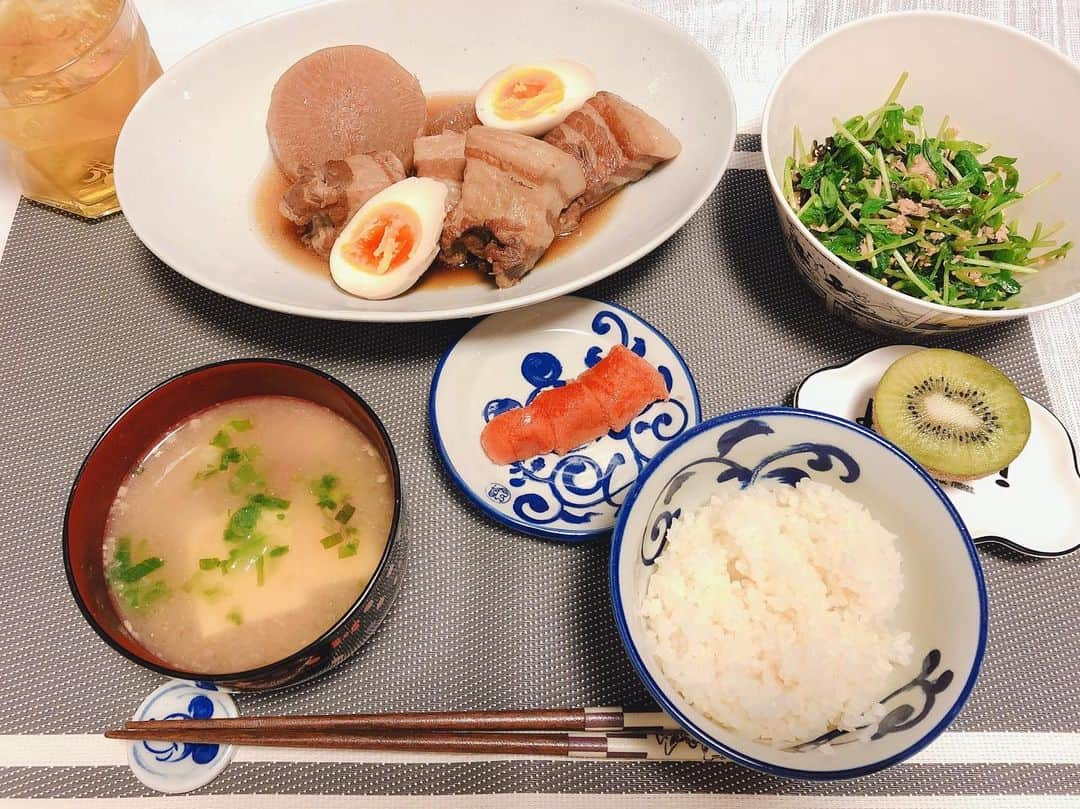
[246, 533]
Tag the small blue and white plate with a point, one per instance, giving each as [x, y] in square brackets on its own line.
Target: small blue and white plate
[175, 767]
[1031, 506]
[506, 360]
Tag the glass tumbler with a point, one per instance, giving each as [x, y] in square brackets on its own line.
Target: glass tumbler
[70, 71]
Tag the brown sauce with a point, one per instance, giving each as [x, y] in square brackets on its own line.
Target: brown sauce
[591, 221]
[441, 275]
[276, 230]
[282, 237]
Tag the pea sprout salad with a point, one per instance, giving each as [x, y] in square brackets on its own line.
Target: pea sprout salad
[925, 214]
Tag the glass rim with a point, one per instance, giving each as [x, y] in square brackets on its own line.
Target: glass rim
[122, 7]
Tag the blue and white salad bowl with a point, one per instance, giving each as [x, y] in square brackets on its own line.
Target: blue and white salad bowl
[943, 605]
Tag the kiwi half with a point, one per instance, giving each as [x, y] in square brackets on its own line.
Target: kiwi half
[957, 415]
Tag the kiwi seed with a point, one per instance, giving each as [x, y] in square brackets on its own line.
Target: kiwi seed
[956, 414]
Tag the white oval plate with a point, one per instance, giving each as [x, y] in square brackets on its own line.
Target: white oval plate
[191, 152]
[507, 359]
[1032, 506]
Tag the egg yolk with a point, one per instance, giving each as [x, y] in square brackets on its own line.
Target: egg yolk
[527, 93]
[385, 240]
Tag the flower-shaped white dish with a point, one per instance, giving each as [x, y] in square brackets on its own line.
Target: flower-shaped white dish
[505, 361]
[943, 604]
[1032, 506]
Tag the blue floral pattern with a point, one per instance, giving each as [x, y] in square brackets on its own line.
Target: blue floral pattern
[169, 766]
[822, 458]
[901, 714]
[578, 488]
[199, 707]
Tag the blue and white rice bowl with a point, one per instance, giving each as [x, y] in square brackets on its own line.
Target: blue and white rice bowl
[943, 603]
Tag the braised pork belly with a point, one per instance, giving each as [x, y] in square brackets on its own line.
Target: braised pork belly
[320, 201]
[442, 157]
[615, 143]
[514, 189]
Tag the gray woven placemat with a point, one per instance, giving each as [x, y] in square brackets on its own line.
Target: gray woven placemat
[486, 618]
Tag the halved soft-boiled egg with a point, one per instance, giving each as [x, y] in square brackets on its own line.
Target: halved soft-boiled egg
[391, 240]
[533, 99]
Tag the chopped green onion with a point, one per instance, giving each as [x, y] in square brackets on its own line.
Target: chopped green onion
[128, 579]
[323, 490]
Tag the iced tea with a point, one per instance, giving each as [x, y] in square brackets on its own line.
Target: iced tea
[70, 71]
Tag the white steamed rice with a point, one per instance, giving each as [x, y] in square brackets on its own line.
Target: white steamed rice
[772, 610]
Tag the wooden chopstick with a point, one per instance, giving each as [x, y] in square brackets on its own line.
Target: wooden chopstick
[639, 745]
[557, 719]
[525, 743]
[564, 732]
